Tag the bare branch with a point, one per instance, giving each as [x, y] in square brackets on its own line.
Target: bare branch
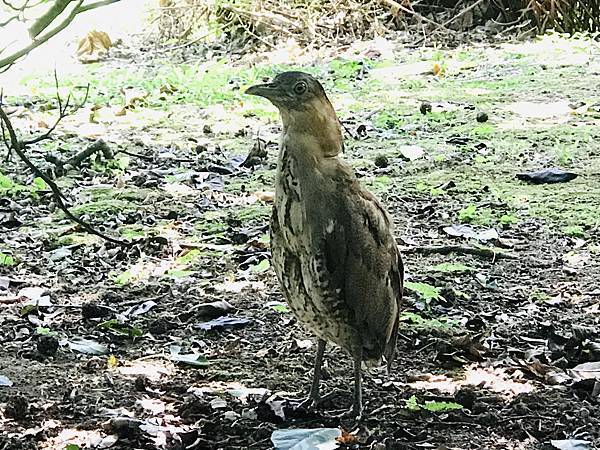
[19, 148]
[9, 20]
[96, 5]
[46, 19]
[40, 39]
[36, 43]
[62, 112]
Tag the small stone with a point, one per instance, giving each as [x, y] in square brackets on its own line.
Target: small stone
[17, 407]
[425, 108]
[94, 311]
[207, 129]
[200, 148]
[482, 117]
[381, 161]
[47, 345]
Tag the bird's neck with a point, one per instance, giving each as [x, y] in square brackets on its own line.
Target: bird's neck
[313, 132]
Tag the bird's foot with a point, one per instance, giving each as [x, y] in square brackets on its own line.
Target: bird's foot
[313, 402]
[352, 413]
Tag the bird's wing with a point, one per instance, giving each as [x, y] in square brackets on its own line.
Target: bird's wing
[363, 263]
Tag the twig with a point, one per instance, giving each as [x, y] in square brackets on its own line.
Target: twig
[395, 5]
[76, 160]
[18, 147]
[447, 249]
[463, 12]
[62, 112]
[526, 416]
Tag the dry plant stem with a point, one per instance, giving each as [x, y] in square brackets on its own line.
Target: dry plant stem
[18, 147]
[447, 249]
[463, 12]
[395, 5]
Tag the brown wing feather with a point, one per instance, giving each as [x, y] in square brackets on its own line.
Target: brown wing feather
[364, 263]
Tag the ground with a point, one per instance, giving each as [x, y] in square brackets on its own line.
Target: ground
[492, 342]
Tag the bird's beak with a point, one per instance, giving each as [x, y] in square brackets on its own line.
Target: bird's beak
[270, 91]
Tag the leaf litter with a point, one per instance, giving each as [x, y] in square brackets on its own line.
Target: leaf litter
[487, 361]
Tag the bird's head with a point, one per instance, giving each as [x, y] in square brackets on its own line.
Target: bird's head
[290, 91]
[304, 108]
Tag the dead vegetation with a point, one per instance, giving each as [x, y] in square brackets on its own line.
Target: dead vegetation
[311, 23]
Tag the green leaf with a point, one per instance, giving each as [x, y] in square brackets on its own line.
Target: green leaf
[176, 273]
[7, 260]
[280, 308]
[412, 403]
[508, 219]
[5, 182]
[72, 447]
[45, 331]
[424, 290]
[121, 328]
[191, 359]
[124, 278]
[261, 267]
[39, 184]
[467, 214]
[434, 406]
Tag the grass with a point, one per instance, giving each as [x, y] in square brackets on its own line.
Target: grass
[486, 192]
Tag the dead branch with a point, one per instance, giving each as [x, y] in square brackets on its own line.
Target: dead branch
[97, 147]
[447, 249]
[48, 19]
[19, 148]
[395, 6]
[463, 12]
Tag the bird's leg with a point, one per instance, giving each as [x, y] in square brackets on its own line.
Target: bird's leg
[314, 397]
[357, 406]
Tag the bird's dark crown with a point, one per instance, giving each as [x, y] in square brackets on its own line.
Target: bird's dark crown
[289, 90]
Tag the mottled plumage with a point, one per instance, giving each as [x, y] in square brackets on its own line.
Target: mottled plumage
[331, 241]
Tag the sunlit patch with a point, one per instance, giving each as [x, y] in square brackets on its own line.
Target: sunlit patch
[552, 50]
[540, 110]
[81, 438]
[153, 405]
[153, 370]
[179, 189]
[495, 380]
[234, 388]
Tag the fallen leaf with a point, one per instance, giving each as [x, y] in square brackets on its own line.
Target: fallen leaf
[571, 444]
[213, 310]
[86, 346]
[468, 232]
[411, 152]
[191, 359]
[224, 323]
[305, 439]
[547, 176]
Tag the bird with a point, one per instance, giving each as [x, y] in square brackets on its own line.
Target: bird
[332, 242]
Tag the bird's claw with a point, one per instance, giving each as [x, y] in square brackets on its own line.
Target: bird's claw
[309, 403]
[352, 413]
[313, 402]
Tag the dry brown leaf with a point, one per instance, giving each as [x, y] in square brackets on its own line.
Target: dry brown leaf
[347, 438]
[95, 42]
[267, 197]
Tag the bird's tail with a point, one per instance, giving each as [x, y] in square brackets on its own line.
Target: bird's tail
[390, 347]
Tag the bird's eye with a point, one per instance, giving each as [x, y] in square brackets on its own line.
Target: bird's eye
[300, 88]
